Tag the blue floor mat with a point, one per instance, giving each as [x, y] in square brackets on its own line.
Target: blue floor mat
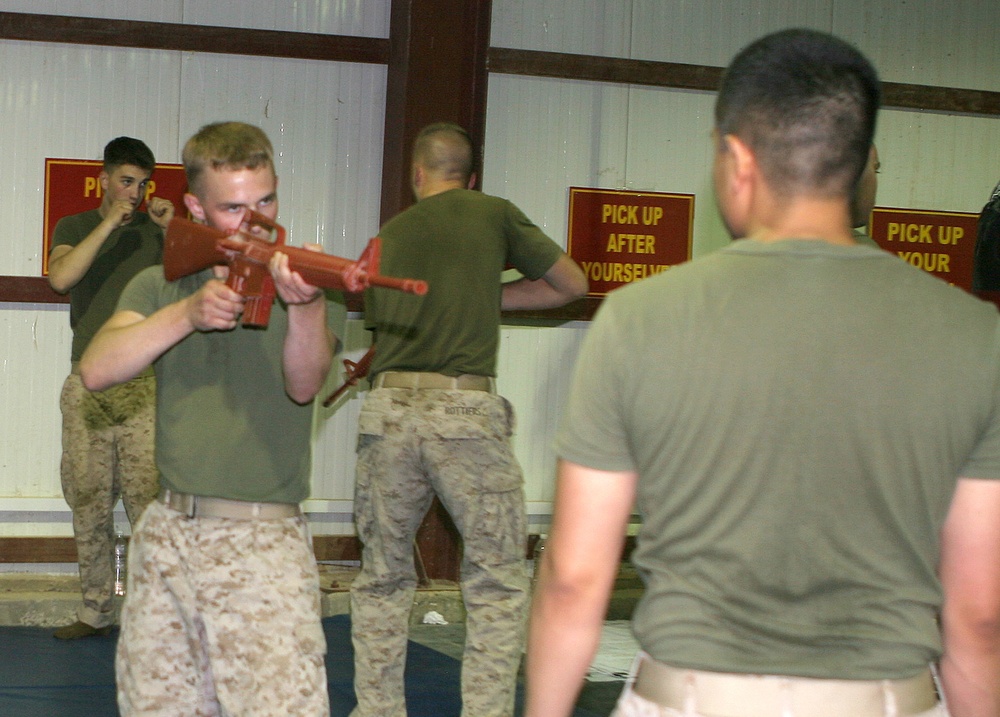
[44, 677]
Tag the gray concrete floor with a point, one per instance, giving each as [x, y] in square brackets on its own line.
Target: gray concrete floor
[596, 697]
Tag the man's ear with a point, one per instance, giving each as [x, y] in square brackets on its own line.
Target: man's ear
[194, 206]
[103, 178]
[472, 181]
[743, 163]
[736, 179]
[741, 173]
[417, 176]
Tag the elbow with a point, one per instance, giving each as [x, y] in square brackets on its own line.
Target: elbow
[571, 589]
[570, 602]
[302, 393]
[92, 378]
[300, 397]
[96, 374]
[576, 283]
[581, 287]
[58, 286]
[567, 279]
[571, 291]
[985, 631]
[60, 279]
[976, 628]
[566, 594]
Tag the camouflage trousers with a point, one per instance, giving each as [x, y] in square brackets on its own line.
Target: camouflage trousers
[413, 444]
[221, 617]
[107, 453]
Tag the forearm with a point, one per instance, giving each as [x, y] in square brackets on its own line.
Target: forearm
[308, 350]
[526, 294]
[564, 635]
[67, 268]
[577, 573]
[561, 284]
[970, 615]
[128, 343]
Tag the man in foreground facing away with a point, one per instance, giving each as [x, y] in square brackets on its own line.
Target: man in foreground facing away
[810, 431]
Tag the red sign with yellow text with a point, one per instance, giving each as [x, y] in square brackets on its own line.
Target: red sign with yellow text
[71, 187]
[941, 243]
[619, 237]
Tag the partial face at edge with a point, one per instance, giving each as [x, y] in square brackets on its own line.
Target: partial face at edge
[867, 188]
[722, 166]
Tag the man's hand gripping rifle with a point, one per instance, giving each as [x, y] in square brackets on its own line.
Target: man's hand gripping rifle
[190, 247]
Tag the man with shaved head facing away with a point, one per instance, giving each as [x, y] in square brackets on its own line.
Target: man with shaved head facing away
[817, 540]
[434, 424]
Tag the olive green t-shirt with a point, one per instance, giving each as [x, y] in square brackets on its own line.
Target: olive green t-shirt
[459, 242]
[224, 425]
[798, 414]
[127, 251]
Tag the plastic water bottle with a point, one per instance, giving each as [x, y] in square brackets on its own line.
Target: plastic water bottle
[121, 547]
[536, 563]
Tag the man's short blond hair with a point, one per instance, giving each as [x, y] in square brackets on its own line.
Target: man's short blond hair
[226, 145]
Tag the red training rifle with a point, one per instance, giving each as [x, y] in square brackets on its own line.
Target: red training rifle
[190, 247]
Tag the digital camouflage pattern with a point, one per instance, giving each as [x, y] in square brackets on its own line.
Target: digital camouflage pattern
[107, 440]
[411, 445]
[222, 617]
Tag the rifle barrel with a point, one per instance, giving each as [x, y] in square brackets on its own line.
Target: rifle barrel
[410, 286]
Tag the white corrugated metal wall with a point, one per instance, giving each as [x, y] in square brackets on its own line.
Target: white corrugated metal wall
[542, 136]
[325, 120]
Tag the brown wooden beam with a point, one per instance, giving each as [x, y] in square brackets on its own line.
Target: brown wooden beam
[603, 69]
[953, 100]
[336, 547]
[37, 550]
[29, 289]
[193, 38]
[36, 290]
[677, 75]
[579, 310]
[34, 27]
[63, 550]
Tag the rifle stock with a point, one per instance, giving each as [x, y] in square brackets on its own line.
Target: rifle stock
[190, 247]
